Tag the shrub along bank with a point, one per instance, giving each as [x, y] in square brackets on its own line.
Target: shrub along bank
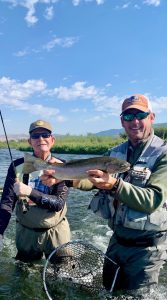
[72, 144]
[90, 144]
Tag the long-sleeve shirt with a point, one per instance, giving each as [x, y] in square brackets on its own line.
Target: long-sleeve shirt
[144, 199]
[149, 198]
[54, 200]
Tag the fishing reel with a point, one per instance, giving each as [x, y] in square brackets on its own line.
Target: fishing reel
[25, 205]
[23, 202]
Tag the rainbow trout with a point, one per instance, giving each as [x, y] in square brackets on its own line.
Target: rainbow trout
[75, 169]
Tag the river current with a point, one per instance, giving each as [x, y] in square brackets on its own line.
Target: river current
[20, 281]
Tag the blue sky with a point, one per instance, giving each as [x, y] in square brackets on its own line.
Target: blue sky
[72, 62]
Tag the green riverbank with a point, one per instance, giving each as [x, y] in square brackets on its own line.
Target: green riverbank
[72, 144]
[90, 144]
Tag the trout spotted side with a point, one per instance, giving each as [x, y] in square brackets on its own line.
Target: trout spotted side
[75, 169]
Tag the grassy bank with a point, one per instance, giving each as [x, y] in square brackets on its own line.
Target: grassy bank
[90, 144]
[72, 144]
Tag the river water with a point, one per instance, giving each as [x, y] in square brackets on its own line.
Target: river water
[20, 281]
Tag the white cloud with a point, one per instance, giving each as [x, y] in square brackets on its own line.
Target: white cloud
[99, 2]
[152, 2]
[126, 5]
[138, 3]
[9, 86]
[49, 13]
[112, 104]
[133, 81]
[29, 95]
[66, 42]
[37, 109]
[137, 6]
[158, 103]
[76, 2]
[21, 53]
[30, 5]
[14, 94]
[105, 103]
[108, 85]
[60, 119]
[30, 18]
[78, 90]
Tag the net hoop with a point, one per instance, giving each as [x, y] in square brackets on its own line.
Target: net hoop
[76, 244]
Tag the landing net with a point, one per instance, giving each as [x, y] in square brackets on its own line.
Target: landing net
[77, 264]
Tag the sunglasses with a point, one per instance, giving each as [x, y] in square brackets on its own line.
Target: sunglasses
[139, 116]
[44, 135]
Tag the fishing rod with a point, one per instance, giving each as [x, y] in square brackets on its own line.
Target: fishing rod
[10, 153]
[24, 202]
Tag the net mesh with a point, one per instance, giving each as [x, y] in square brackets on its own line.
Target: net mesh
[76, 263]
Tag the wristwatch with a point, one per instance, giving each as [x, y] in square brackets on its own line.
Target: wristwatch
[115, 187]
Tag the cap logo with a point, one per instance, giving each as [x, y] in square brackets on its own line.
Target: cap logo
[133, 99]
[40, 123]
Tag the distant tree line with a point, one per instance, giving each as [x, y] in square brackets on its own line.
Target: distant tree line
[160, 131]
[90, 144]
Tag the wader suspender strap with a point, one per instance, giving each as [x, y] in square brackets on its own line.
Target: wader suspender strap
[25, 178]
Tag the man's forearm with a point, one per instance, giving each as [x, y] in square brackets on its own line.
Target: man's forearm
[83, 184]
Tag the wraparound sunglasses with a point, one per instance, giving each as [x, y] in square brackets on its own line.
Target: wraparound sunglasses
[130, 117]
[44, 135]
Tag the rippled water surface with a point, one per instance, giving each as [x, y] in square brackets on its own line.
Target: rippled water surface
[20, 281]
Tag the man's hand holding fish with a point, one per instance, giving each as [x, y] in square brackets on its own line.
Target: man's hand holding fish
[48, 179]
[102, 180]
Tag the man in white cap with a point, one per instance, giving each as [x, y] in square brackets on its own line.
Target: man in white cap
[41, 223]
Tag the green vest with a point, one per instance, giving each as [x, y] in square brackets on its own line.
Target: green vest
[139, 176]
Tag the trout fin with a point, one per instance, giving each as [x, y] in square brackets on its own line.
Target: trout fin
[29, 165]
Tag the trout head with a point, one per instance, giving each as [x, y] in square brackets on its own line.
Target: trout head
[117, 166]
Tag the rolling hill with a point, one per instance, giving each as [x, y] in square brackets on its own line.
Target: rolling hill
[116, 132]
